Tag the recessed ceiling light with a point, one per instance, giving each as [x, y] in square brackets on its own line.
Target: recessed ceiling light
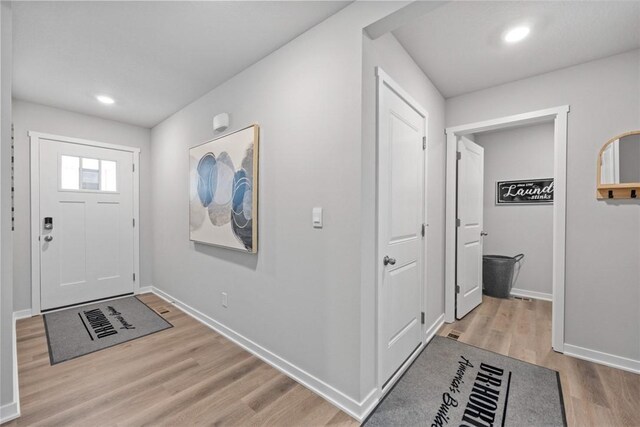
[105, 99]
[516, 34]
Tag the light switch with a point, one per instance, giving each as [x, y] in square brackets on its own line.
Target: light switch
[316, 216]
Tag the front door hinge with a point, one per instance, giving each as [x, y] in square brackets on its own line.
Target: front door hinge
[458, 155]
[422, 317]
[457, 222]
[134, 222]
[423, 229]
[134, 277]
[133, 167]
[424, 142]
[457, 289]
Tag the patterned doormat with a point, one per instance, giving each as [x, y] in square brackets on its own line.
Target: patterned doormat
[453, 384]
[77, 331]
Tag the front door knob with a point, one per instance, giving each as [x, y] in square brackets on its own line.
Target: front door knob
[48, 238]
[386, 260]
[483, 233]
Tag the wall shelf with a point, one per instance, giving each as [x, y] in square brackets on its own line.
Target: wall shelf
[618, 191]
[611, 168]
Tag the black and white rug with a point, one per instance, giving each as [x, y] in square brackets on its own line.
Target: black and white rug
[82, 330]
[455, 384]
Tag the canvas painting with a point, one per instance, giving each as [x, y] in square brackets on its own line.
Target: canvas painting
[223, 204]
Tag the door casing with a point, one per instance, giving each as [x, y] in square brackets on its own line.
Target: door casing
[36, 138]
[384, 385]
[558, 116]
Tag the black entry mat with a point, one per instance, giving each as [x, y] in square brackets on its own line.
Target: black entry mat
[77, 331]
[453, 384]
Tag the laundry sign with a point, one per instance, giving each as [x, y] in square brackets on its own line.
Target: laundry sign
[528, 191]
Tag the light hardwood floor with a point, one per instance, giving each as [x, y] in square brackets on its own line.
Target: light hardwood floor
[594, 395]
[182, 376]
[190, 375]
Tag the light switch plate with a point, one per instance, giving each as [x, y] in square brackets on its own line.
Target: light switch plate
[316, 217]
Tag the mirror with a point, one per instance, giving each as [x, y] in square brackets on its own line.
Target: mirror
[620, 160]
[619, 167]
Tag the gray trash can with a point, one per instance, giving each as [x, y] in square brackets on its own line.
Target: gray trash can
[497, 274]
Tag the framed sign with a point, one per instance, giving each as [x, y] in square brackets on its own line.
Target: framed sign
[524, 192]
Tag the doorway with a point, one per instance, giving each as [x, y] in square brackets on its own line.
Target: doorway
[401, 211]
[453, 256]
[84, 221]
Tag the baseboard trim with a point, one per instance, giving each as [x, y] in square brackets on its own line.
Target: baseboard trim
[22, 314]
[602, 358]
[145, 289]
[9, 412]
[328, 392]
[531, 294]
[433, 329]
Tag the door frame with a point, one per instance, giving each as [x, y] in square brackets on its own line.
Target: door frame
[383, 79]
[559, 116]
[35, 139]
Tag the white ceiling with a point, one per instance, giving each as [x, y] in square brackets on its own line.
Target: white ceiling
[459, 45]
[151, 57]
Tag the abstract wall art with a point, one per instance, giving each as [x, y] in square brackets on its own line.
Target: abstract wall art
[223, 204]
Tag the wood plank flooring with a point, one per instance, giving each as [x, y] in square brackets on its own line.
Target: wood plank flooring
[190, 375]
[186, 375]
[594, 395]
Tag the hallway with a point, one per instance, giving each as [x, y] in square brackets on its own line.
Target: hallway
[594, 395]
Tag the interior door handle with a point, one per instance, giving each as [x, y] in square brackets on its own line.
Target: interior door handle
[386, 260]
[48, 238]
[482, 233]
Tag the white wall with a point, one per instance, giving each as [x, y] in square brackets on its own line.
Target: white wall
[515, 154]
[34, 117]
[387, 53]
[603, 237]
[299, 296]
[8, 397]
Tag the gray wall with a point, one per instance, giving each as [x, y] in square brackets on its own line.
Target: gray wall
[299, 296]
[6, 288]
[34, 117]
[513, 154]
[603, 250]
[387, 53]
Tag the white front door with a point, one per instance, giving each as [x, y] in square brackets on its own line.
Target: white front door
[401, 184]
[470, 209]
[86, 223]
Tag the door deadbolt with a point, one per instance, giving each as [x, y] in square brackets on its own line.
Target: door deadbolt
[48, 223]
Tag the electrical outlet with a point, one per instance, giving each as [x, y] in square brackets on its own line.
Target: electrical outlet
[225, 301]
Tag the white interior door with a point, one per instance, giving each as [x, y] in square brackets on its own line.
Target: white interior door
[470, 209]
[401, 168]
[86, 221]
